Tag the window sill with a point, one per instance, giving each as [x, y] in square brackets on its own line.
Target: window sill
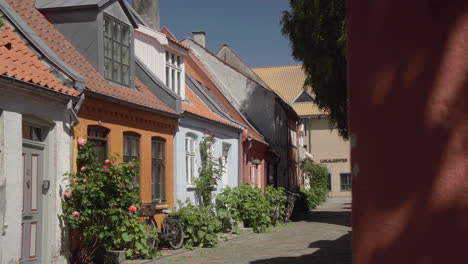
[162, 206]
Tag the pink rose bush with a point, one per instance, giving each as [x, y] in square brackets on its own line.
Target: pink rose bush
[100, 201]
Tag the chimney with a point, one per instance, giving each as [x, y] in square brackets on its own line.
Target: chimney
[199, 37]
[149, 11]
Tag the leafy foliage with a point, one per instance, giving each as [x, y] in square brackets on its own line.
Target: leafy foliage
[101, 203]
[200, 225]
[245, 203]
[317, 31]
[210, 172]
[277, 199]
[316, 192]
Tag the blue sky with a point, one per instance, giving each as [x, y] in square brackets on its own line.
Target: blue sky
[250, 27]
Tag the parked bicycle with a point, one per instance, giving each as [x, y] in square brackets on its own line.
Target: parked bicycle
[171, 229]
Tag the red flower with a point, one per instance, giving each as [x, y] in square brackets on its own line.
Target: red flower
[210, 130]
[76, 214]
[105, 169]
[97, 158]
[132, 208]
[107, 161]
[213, 135]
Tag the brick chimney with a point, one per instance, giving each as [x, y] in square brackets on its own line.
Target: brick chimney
[149, 11]
[199, 37]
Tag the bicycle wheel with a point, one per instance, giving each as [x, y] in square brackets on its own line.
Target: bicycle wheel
[174, 233]
[152, 241]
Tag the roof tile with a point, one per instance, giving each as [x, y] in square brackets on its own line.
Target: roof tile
[18, 61]
[70, 55]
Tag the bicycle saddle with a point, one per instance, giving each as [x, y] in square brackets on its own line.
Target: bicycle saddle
[167, 211]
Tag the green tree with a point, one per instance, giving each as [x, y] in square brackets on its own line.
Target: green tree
[317, 31]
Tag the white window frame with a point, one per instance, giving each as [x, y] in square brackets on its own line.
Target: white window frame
[190, 159]
[174, 72]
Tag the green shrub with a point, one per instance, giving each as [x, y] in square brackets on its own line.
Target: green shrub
[317, 192]
[200, 224]
[245, 203]
[276, 197]
[101, 202]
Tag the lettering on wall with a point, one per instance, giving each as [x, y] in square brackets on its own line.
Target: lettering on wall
[333, 160]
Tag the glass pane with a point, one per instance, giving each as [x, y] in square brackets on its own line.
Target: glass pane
[173, 79]
[126, 35]
[173, 59]
[136, 147]
[107, 27]
[192, 168]
[178, 82]
[116, 71]
[163, 190]
[126, 146]
[117, 31]
[167, 76]
[125, 75]
[187, 169]
[167, 57]
[117, 51]
[125, 55]
[107, 68]
[107, 47]
[178, 61]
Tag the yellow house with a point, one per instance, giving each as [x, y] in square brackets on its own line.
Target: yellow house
[321, 140]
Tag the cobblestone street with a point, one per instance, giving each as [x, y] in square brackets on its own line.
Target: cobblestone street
[322, 236]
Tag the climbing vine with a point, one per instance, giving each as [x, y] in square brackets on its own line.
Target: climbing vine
[210, 171]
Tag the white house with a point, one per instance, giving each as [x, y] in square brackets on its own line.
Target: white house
[39, 97]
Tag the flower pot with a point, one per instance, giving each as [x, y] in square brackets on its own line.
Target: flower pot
[114, 257]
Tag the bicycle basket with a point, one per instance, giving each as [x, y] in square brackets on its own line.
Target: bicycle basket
[147, 209]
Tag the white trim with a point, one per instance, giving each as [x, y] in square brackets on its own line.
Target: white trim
[303, 91]
[160, 37]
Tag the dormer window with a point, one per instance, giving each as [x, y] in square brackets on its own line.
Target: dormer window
[174, 72]
[116, 51]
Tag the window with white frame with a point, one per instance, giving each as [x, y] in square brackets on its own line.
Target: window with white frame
[174, 72]
[224, 162]
[190, 159]
[116, 51]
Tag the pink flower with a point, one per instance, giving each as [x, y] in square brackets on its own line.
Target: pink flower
[210, 130]
[76, 214]
[132, 208]
[83, 169]
[107, 161]
[97, 158]
[81, 142]
[84, 180]
[67, 194]
[213, 135]
[105, 169]
[131, 164]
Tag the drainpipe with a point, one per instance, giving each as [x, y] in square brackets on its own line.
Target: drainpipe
[73, 122]
[240, 161]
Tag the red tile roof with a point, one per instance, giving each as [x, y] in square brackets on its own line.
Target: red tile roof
[70, 55]
[171, 38]
[197, 107]
[18, 61]
[197, 70]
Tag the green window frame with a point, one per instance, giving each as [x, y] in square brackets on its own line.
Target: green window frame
[345, 182]
[117, 42]
[158, 170]
[131, 150]
[98, 135]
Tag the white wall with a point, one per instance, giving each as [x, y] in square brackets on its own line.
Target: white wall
[223, 134]
[57, 162]
[149, 50]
